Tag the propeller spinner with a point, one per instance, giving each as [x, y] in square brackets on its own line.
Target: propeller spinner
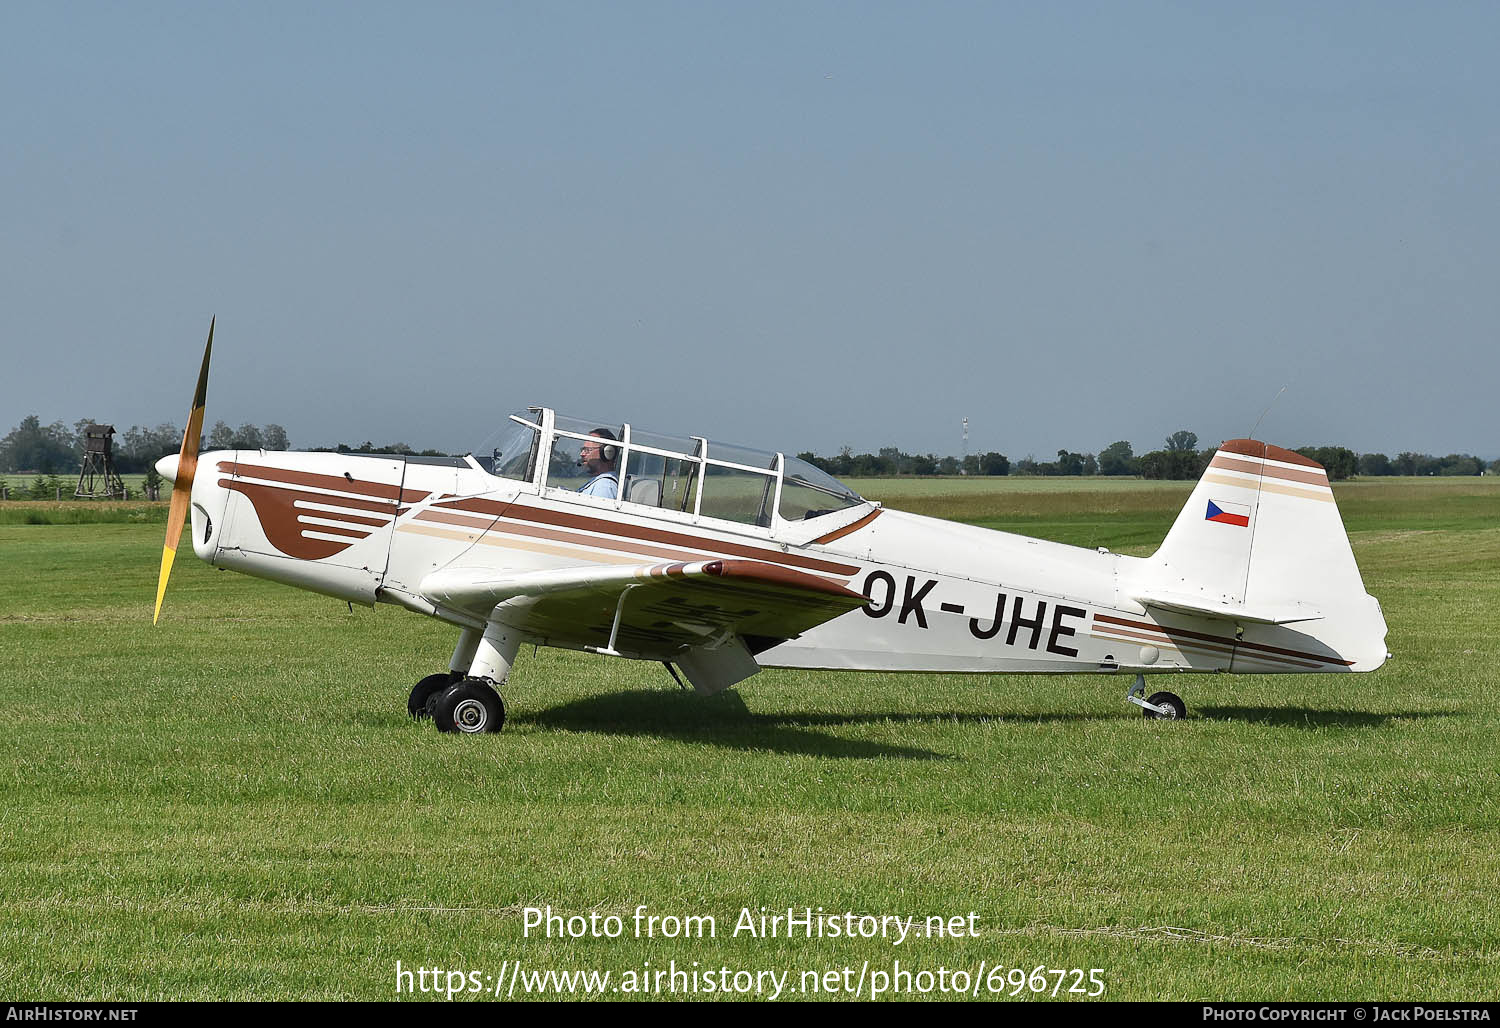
[180, 470]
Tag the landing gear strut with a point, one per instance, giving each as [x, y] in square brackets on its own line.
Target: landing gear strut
[465, 698]
[1165, 705]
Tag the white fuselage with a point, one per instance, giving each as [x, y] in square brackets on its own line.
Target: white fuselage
[942, 596]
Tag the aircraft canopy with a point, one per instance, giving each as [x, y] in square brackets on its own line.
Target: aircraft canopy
[686, 474]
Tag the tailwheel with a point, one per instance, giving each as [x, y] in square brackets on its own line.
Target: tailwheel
[419, 703]
[471, 706]
[1171, 707]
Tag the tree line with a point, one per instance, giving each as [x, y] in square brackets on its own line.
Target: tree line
[34, 448]
[1179, 458]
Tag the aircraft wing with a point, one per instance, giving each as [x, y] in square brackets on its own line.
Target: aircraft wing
[708, 617]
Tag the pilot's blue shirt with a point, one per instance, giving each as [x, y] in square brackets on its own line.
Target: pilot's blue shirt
[605, 486]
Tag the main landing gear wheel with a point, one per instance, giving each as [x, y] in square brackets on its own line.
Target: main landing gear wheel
[471, 706]
[419, 703]
[1170, 702]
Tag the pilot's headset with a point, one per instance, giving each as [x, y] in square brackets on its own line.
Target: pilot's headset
[606, 451]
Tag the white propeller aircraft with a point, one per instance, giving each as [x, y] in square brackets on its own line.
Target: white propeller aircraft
[721, 560]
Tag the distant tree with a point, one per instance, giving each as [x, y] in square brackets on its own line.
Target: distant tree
[221, 437]
[893, 455]
[1182, 440]
[142, 447]
[1461, 464]
[949, 466]
[1373, 464]
[1090, 465]
[248, 437]
[273, 437]
[1338, 461]
[814, 460]
[1069, 463]
[843, 462]
[971, 464]
[993, 463]
[921, 464]
[32, 446]
[1174, 464]
[1117, 459]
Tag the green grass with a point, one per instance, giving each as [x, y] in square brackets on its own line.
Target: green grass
[234, 805]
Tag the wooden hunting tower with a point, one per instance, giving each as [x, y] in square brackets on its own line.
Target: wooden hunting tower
[98, 478]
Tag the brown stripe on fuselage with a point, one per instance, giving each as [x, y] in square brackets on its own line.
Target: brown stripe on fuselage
[334, 482]
[536, 532]
[1305, 477]
[473, 504]
[1115, 633]
[1182, 644]
[849, 529]
[274, 508]
[447, 518]
[1146, 627]
[512, 528]
[701, 544]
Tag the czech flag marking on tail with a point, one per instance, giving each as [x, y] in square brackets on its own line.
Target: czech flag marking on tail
[1228, 513]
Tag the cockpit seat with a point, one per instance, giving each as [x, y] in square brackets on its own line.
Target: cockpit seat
[644, 490]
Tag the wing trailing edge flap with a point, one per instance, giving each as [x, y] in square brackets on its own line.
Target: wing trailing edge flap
[714, 666]
[697, 615]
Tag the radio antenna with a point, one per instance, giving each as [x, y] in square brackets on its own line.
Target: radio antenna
[1266, 411]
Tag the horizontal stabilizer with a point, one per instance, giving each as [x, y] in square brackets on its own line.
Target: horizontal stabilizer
[1189, 604]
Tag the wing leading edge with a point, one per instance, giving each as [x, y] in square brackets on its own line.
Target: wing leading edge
[708, 617]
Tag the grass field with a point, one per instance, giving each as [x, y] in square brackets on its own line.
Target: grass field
[234, 804]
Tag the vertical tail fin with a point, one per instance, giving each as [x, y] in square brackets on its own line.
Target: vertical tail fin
[1261, 542]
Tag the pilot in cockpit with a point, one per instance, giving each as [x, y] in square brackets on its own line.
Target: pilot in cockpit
[598, 457]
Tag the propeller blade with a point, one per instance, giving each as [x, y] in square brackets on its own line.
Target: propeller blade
[182, 484]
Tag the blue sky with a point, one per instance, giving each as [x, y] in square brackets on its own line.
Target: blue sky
[793, 226]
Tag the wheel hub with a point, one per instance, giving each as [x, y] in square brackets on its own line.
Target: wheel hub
[470, 716]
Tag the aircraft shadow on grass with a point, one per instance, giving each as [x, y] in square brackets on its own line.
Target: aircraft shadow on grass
[724, 720]
[1307, 718]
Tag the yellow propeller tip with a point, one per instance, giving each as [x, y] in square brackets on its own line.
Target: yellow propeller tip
[168, 553]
